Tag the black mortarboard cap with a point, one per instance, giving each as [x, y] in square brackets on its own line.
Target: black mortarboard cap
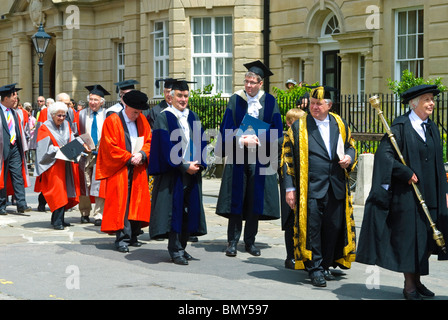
[321, 92]
[168, 83]
[417, 91]
[181, 85]
[8, 89]
[126, 84]
[259, 68]
[136, 99]
[98, 90]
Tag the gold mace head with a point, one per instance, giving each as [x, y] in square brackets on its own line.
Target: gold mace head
[375, 102]
[438, 237]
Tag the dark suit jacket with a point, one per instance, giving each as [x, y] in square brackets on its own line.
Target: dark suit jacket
[6, 135]
[323, 171]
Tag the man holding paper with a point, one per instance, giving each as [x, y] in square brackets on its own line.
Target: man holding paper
[249, 190]
[121, 163]
[317, 153]
[90, 121]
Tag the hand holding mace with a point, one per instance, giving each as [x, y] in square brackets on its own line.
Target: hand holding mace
[437, 235]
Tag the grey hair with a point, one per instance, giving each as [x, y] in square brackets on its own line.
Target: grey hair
[57, 106]
[414, 103]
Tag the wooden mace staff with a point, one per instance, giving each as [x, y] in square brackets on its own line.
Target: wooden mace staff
[437, 235]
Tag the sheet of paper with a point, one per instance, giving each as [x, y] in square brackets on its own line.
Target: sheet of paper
[88, 140]
[340, 150]
[137, 144]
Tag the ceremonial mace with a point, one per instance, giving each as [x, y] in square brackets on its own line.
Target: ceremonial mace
[437, 235]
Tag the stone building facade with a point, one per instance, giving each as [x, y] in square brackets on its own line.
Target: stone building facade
[353, 45]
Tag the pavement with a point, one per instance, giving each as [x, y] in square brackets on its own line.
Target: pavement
[80, 263]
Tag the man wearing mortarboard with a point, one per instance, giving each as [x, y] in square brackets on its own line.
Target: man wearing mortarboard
[248, 191]
[123, 87]
[90, 120]
[155, 111]
[176, 162]
[14, 174]
[122, 165]
[318, 151]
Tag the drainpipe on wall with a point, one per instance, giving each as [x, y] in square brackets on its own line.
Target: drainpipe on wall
[266, 32]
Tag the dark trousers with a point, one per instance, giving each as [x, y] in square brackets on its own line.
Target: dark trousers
[131, 229]
[325, 230]
[289, 236]
[57, 217]
[235, 225]
[177, 242]
[13, 165]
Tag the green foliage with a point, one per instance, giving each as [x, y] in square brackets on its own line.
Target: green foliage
[408, 80]
[287, 99]
[210, 108]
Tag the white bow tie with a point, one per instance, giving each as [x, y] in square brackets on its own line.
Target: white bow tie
[324, 122]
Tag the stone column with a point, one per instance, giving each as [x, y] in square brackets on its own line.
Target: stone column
[59, 79]
[25, 80]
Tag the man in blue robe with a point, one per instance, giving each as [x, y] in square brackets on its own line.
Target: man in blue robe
[176, 163]
[249, 188]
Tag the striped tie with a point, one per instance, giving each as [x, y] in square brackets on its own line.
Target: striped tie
[11, 127]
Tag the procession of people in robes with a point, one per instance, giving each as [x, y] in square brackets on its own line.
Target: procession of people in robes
[142, 167]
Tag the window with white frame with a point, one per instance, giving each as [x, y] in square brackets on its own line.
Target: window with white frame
[120, 62]
[213, 53]
[362, 76]
[161, 54]
[409, 42]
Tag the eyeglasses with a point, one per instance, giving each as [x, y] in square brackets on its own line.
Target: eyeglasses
[61, 115]
[252, 83]
[40, 100]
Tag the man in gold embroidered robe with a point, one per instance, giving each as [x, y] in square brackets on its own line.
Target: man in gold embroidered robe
[317, 154]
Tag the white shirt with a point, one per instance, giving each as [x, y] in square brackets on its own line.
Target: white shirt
[99, 122]
[324, 129]
[132, 127]
[416, 122]
[253, 105]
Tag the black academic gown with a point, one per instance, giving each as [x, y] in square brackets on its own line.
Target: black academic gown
[263, 200]
[395, 232]
[170, 179]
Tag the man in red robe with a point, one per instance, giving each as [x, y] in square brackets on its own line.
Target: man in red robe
[122, 162]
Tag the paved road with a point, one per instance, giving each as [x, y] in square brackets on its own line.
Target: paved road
[39, 263]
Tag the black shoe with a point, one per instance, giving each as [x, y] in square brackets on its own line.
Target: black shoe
[318, 280]
[328, 275]
[187, 256]
[231, 250]
[41, 208]
[412, 295]
[193, 239]
[123, 249]
[24, 209]
[98, 222]
[425, 292]
[290, 264]
[59, 227]
[85, 219]
[180, 260]
[136, 244]
[66, 224]
[253, 250]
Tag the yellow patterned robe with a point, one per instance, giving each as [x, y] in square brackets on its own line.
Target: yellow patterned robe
[295, 157]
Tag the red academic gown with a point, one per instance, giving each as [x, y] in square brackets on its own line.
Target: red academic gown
[52, 182]
[111, 166]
